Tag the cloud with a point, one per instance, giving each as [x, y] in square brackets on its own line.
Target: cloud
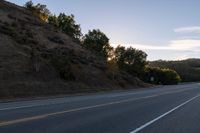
[192, 29]
[177, 45]
[174, 50]
[142, 46]
[187, 44]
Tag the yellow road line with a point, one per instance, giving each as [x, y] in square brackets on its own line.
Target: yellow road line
[11, 122]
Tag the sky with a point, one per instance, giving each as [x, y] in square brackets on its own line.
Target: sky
[164, 29]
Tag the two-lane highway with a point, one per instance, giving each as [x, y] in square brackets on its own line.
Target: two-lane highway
[168, 109]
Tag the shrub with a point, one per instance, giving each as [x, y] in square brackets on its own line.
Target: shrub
[113, 69]
[62, 63]
[161, 76]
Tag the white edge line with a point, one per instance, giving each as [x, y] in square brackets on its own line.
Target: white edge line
[5, 123]
[163, 115]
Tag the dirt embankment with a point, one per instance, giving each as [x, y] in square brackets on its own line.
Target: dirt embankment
[36, 59]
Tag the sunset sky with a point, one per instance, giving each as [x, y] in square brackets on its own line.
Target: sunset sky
[165, 29]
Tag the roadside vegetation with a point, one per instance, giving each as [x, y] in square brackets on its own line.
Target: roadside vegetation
[189, 70]
[156, 75]
[119, 59]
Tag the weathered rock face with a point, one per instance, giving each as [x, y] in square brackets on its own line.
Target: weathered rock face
[37, 59]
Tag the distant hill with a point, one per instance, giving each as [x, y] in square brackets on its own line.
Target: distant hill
[38, 59]
[189, 69]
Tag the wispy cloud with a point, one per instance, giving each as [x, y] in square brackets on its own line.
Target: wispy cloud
[179, 45]
[192, 29]
[187, 44]
[143, 46]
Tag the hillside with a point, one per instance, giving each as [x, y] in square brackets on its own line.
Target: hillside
[37, 59]
[189, 69]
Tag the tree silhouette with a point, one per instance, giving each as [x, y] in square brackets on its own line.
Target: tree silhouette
[98, 42]
[131, 60]
[68, 25]
[39, 10]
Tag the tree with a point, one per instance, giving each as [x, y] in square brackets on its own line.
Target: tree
[29, 5]
[53, 20]
[119, 54]
[98, 42]
[42, 12]
[131, 60]
[39, 10]
[68, 25]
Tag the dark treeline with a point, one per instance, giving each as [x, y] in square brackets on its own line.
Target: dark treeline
[189, 70]
[119, 59]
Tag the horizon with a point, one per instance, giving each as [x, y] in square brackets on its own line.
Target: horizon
[166, 30]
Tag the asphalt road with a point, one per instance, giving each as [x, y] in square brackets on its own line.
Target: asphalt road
[168, 109]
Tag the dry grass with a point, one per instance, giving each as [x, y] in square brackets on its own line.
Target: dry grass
[37, 60]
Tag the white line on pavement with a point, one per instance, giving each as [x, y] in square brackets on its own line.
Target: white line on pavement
[163, 115]
[21, 120]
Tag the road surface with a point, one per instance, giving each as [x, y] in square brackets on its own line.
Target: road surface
[168, 109]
